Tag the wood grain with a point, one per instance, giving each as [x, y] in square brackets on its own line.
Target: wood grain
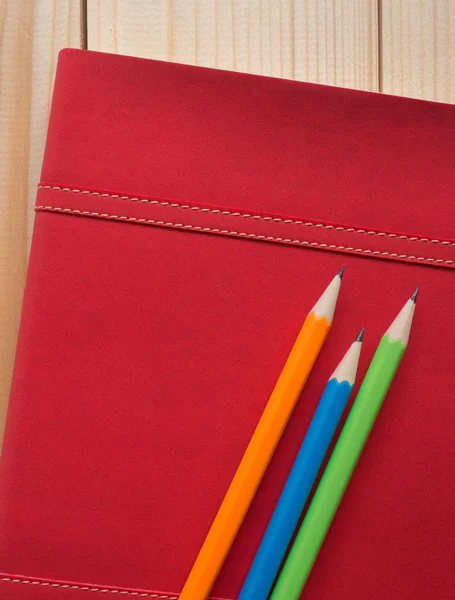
[325, 41]
[397, 46]
[418, 48]
[31, 34]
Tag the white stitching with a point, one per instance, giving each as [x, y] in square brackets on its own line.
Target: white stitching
[243, 234]
[87, 588]
[247, 215]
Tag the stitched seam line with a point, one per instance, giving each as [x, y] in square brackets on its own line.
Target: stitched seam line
[87, 588]
[247, 215]
[243, 234]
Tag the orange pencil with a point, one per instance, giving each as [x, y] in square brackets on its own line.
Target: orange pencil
[262, 445]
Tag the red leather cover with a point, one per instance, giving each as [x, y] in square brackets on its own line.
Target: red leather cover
[187, 220]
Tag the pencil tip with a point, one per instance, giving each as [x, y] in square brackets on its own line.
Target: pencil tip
[415, 293]
[340, 272]
[359, 338]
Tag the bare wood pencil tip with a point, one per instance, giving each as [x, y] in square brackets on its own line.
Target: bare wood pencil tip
[347, 368]
[325, 306]
[401, 326]
[359, 338]
[415, 294]
[340, 272]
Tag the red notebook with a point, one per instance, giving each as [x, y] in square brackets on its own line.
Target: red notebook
[186, 222]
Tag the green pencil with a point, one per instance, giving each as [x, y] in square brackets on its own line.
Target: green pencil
[345, 456]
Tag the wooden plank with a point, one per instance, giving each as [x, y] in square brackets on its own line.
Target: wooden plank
[326, 41]
[417, 41]
[31, 34]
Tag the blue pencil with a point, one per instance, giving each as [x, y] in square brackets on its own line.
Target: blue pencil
[314, 447]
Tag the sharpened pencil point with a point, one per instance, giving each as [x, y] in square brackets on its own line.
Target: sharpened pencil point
[340, 272]
[359, 338]
[414, 295]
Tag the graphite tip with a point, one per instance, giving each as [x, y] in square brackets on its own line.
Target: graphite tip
[415, 293]
[340, 272]
[359, 338]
